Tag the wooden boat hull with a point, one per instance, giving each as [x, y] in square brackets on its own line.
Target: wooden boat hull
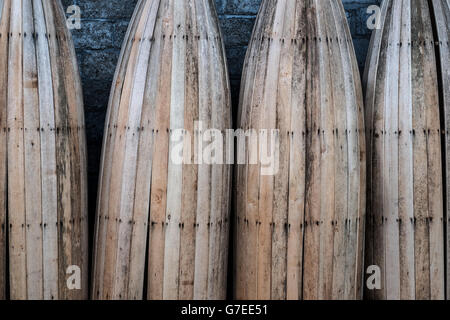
[154, 214]
[43, 200]
[300, 232]
[405, 223]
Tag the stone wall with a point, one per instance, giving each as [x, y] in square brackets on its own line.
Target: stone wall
[98, 43]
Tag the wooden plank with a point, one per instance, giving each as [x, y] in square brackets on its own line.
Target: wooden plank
[264, 218]
[58, 128]
[376, 126]
[405, 171]
[435, 222]
[220, 182]
[421, 213]
[79, 157]
[190, 171]
[5, 7]
[441, 11]
[252, 180]
[338, 177]
[357, 159]
[228, 123]
[204, 191]
[327, 158]
[280, 226]
[312, 209]
[297, 163]
[158, 195]
[64, 166]
[74, 119]
[175, 170]
[369, 86]
[32, 160]
[16, 162]
[390, 169]
[48, 158]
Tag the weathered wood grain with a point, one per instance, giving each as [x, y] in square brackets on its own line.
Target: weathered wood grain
[405, 211]
[299, 232]
[441, 14]
[43, 145]
[154, 213]
[4, 25]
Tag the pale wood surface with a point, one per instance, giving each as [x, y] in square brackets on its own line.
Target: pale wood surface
[441, 10]
[171, 219]
[299, 233]
[405, 216]
[43, 143]
[4, 29]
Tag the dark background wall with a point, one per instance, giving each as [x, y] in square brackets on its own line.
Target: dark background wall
[98, 43]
